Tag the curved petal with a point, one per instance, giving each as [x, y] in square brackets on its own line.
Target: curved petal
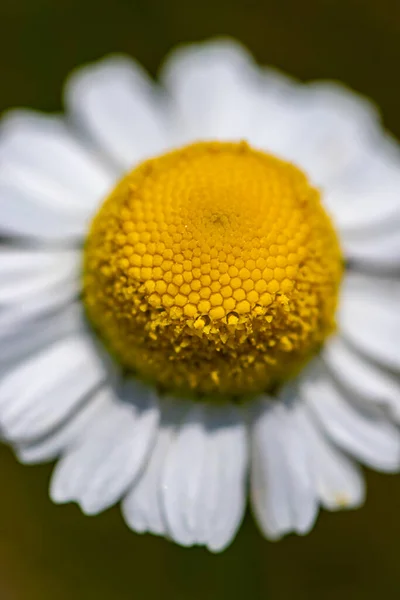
[37, 306]
[338, 480]
[23, 214]
[283, 491]
[38, 394]
[49, 184]
[332, 130]
[204, 477]
[369, 317]
[98, 470]
[142, 507]
[211, 85]
[67, 433]
[377, 250]
[118, 105]
[220, 93]
[370, 438]
[226, 503]
[362, 378]
[29, 338]
[365, 199]
[24, 273]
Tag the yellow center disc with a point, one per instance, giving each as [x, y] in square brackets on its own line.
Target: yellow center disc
[213, 269]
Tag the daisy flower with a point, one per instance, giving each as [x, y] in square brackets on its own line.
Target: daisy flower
[198, 295]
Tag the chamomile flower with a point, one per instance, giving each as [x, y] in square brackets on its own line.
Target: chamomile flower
[199, 294]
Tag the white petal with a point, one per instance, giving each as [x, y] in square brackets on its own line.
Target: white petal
[365, 198]
[26, 273]
[332, 129]
[38, 394]
[142, 507]
[211, 86]
[338, 480]
[227, 485]
[67, 434]
[23, 214]
[220, 93]
[16, 262]
[331, 132]
[282, 481]
[376, 249]
[369, 317]
[29, 338]
[370, 438]
[115, 101]
[362, 378]
[204, 477]
[181, 479]
[14, 316]
[104, 463]
[49, 184]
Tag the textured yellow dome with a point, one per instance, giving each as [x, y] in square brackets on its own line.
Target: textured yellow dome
[213, 269]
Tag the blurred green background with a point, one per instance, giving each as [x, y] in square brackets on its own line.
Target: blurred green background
[55, 553]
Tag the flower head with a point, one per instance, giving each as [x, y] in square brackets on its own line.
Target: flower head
[199, 283]
[213, 269]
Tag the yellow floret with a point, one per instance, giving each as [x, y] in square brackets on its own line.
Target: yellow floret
[213, 269]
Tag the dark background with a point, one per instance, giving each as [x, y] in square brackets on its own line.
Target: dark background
[55, 553]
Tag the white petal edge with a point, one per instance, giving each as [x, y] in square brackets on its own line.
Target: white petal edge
[49, 183]
[40, 392]
[98, 470]
[37, 306]
[30, 338]
[362, 378]
[242, 101]
[339, 482]
[377, 250]
[322, 126]
[203, 483]
[332, 130]
[369, 317]
[283, 493]
[30, 272]
[370, 438]
[212, 86]
[142, 506]
[120, 109]
[68, 432]
[365, 200]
